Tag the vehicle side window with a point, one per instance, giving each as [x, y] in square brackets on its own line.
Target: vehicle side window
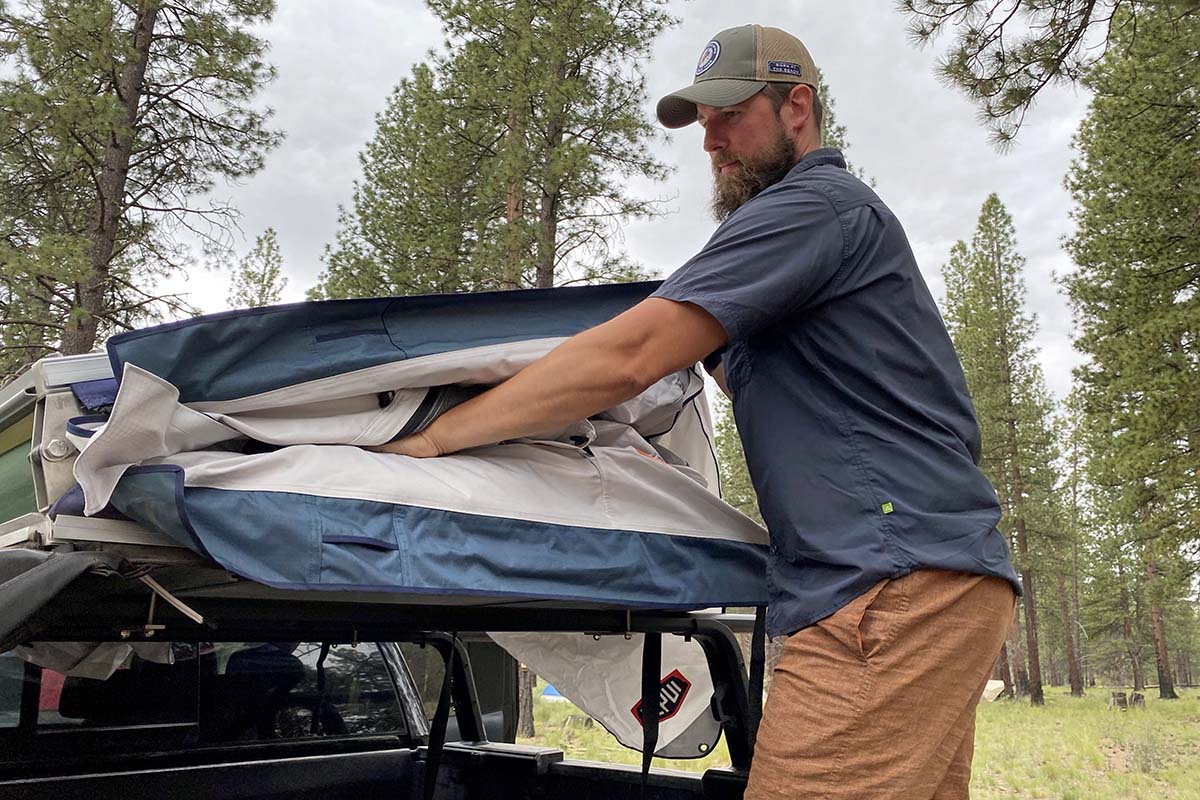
[225, 692]
[12, 672]
[428, 670]
[495, 678]
[357, 697]
[16, 480]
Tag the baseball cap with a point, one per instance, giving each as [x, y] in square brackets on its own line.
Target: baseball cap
[735, 65]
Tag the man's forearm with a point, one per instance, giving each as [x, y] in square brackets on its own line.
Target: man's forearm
[592, 371]
[587, 378]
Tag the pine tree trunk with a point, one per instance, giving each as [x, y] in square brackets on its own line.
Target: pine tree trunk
[1074, 674]
[1162, 660]
[525, 684]
[547, 253]
[1016, 655]
[1003, 672]
[1139, 675]
[80, 336]
[1030, 597]
[1132, 648]
[1022, 679]
[514, 212]
[1015, 496]
[547, 258]
[1075, 626]
[1135, 658]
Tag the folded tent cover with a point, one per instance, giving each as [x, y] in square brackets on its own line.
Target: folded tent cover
[240, 435]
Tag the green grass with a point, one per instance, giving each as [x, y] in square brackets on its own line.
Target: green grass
[1071, 749]
[1075, 749]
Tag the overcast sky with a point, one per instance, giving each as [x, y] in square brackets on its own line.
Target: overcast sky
[920, 141]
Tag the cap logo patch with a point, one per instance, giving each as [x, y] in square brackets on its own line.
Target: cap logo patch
[709, 57]
[784, 67]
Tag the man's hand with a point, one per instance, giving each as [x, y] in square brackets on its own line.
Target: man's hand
[419, 445]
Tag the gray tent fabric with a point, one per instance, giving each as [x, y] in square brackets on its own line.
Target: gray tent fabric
[30, 579]
[602, 676]
[95, 660]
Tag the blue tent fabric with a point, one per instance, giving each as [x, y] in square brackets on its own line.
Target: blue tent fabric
[291, 541]
[295, 531]
[97, 395]
[241, 353]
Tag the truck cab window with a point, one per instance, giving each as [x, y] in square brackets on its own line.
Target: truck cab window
[224, 692]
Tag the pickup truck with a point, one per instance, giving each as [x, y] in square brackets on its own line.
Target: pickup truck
[273, 693]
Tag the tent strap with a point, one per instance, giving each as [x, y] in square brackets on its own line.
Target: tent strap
[437, 731]
[651, 686]
[315, 727]
[758, 663]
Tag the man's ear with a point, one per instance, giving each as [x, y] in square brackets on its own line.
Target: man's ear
[800, 104]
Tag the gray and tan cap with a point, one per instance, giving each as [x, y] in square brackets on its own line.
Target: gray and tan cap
[734, 66]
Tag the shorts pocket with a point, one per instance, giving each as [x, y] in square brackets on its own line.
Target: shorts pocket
[882, 612]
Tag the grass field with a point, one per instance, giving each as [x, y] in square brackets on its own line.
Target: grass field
[1071, 749]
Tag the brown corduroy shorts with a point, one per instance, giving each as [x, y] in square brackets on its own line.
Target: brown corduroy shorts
[878, 700]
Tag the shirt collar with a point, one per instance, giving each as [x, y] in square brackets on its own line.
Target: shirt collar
[820, 157]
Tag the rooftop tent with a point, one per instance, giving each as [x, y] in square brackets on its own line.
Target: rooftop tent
[239, 435]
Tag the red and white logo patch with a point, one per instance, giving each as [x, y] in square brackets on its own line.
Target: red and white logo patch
[671, 693]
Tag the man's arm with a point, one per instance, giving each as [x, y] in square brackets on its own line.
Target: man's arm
[592, 371]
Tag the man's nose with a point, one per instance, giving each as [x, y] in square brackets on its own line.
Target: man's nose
[714, 139]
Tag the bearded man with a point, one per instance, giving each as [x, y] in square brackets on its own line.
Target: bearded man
[887, 572]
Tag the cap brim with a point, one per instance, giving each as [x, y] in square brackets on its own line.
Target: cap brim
[679, 108]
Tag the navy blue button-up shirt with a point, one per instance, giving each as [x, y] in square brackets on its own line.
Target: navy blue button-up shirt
[850, 401]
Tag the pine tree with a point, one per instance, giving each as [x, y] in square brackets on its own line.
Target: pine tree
[1135, 291]
[1075, 521]
[1005, 53]
[993, 334]
[114, 116]
[417, 214]
[258, 278]
[504, 163]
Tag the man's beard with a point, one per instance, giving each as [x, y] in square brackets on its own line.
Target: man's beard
[733, 189]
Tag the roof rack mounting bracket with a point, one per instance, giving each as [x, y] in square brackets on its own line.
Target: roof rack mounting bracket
[157, 591]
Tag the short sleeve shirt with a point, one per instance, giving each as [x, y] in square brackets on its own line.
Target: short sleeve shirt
[851, 404]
